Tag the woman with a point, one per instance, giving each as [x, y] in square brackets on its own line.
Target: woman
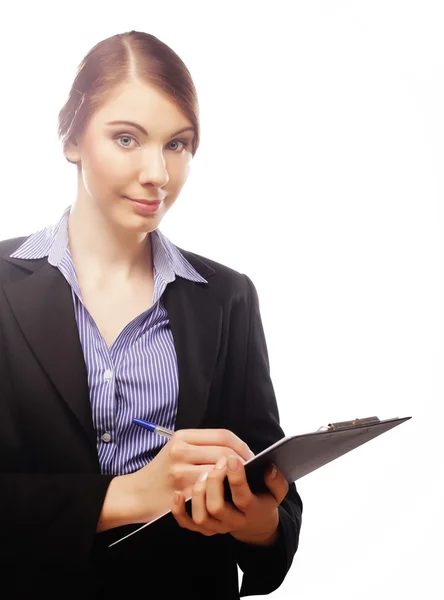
[103, 320]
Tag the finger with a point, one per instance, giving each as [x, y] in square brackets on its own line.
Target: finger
[179, 513]
[202, 519]
[276, 483]
[214, 437]
[194, 473]
[199, 455]
[183, 476]
[184, 520]
[198, 505]
[240, 490]
[188, 491]
[220, 510]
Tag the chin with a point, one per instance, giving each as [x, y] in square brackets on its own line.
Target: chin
[142, 224]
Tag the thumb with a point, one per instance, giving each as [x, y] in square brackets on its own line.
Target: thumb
[276, 483]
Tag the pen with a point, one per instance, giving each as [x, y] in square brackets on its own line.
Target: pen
[154, 428]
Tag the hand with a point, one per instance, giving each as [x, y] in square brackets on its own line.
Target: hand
[185, 458]
[253, 519]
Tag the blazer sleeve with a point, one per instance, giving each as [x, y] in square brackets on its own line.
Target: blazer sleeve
[264, 567]
[45, 518]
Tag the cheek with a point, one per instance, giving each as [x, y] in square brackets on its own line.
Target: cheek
[181, 173]
[105, 167]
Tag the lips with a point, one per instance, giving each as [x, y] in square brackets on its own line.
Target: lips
[145, 207]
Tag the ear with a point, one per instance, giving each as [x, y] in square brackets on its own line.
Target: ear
[72, 152]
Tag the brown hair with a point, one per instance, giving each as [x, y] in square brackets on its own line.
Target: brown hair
[112, 62]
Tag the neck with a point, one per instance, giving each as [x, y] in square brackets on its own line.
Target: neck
[102, 248]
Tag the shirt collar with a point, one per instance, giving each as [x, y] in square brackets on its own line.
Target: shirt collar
[52, 242]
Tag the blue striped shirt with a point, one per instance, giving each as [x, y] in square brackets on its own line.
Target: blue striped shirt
[138, 375]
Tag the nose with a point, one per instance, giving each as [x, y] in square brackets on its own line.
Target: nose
[153, 168]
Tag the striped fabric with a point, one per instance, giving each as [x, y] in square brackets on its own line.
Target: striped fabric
[138, 375]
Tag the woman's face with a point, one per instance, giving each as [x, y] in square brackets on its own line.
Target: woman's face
[131, 150]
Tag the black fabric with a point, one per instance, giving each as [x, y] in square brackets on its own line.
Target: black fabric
[51, 487]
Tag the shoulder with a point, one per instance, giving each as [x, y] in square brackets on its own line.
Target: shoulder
[224, 280]
[8, 247]
[8, 272]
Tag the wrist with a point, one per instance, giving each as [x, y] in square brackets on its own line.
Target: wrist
[259, 539]
[266, 536]
[121, 506]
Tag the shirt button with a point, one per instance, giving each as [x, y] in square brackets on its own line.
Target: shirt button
[106, 437]
[108, 374]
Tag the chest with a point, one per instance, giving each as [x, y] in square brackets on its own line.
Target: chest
[112, 307]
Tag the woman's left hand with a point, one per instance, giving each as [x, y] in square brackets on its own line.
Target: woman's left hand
[251, 518]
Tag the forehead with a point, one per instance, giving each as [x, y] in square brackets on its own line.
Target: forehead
[143, 103]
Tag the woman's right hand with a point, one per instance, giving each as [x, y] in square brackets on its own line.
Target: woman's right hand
[187, 456]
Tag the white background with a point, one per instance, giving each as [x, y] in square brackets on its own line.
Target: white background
[320, 176]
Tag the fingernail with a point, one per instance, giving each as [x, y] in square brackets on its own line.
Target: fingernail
[221, 463]
[274, 472]
[204, 476]
[251, 453]
[233, 463]
[176, 497]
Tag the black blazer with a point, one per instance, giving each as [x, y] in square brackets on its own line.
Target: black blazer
[51, 487]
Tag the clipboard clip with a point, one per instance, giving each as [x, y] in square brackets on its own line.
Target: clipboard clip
[347, 424]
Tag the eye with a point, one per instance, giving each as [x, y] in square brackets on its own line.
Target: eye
[127, 138]
[184, 143]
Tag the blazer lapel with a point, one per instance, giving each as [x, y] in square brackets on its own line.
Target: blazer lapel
[196, 323]
[42, 303]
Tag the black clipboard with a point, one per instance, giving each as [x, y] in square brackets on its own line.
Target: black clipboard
[299, 455]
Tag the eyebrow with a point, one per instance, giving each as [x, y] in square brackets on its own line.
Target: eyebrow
[143, 130]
